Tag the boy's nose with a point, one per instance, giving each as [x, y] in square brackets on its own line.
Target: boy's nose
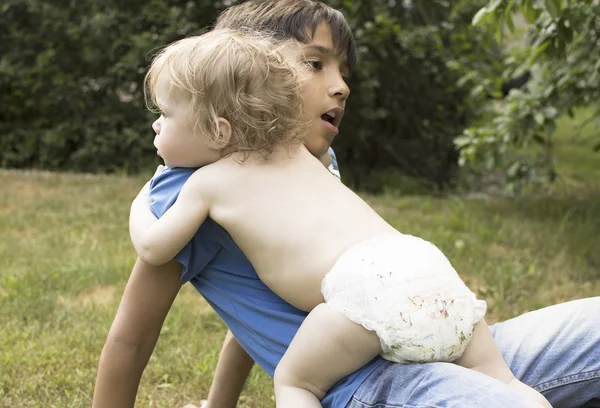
[340, 89]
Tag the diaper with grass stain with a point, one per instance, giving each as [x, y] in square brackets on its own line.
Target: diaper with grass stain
[405, 289]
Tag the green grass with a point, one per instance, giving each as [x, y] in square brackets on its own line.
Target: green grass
[576, 163]
[65, 257]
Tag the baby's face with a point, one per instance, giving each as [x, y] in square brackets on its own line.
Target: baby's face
[324, 90]
[175, 141]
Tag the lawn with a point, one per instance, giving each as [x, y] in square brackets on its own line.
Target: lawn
[65, 257]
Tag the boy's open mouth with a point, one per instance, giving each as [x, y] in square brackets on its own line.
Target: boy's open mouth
[328, 118]
[334, 116]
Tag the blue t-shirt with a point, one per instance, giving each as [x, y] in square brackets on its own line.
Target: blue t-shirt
[262, 322]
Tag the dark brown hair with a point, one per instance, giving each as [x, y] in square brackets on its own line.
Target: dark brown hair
[287, 19]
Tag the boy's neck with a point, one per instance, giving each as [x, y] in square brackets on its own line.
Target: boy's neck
[279, 151]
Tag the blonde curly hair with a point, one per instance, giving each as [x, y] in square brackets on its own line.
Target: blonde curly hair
[238, 75]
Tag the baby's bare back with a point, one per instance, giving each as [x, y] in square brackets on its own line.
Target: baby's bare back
[292, 219]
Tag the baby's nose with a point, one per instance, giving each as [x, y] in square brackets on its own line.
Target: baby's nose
[156, 126]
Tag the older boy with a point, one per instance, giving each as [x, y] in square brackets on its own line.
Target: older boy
[555, 350]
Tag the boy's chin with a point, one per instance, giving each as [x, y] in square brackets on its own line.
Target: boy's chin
[317, 147]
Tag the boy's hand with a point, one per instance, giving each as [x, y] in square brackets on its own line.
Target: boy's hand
[326, 160]
[203, 404]
[159, 169]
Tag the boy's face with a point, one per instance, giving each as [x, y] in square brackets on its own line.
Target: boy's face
[175, 140]
[324, 90]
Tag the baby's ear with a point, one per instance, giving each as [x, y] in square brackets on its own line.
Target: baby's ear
[224, 132]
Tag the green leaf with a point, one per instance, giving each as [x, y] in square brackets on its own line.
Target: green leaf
[509, 22]
[548, 91]
[508, 16]
[478, 90]
[539, 118]
[530, 13]
[493, 5]
[553, 7]
[550, 112]
[465, 78]
[481, 16]
[539, 50]
[462, 141]
[499, 32]
[513, 170]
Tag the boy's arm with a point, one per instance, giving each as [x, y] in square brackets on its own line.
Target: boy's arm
[234, 363]
[158, 241]
[146, 301]
[232, 370]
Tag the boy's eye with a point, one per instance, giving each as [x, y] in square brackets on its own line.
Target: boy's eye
[315, 64]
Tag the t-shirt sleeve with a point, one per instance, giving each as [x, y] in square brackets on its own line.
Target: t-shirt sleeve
[333, 167]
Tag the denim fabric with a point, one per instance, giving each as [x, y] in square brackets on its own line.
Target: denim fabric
[556, 350]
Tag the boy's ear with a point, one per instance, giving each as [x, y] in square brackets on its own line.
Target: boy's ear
[224, 131]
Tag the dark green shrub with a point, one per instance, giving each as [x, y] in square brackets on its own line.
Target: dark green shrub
[71, 76]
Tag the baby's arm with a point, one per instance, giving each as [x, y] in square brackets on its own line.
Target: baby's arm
[327, 347]
[141, 217]
[158, 241]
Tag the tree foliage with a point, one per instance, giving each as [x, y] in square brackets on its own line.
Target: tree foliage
[71, 81]
[405, 94]
[563, 51]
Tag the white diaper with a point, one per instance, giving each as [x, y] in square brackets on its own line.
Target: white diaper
[404, 288]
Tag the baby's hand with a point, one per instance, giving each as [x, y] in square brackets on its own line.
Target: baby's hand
[159, 169]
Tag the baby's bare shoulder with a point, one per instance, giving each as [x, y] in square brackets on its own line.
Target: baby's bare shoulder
[208, 177]
[217, 176]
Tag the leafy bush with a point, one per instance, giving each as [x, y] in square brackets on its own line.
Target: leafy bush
[405, 88]
[564, 53]
[71, 79]
[71, 82]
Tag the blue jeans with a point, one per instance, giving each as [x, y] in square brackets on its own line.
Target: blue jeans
[555, 350]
